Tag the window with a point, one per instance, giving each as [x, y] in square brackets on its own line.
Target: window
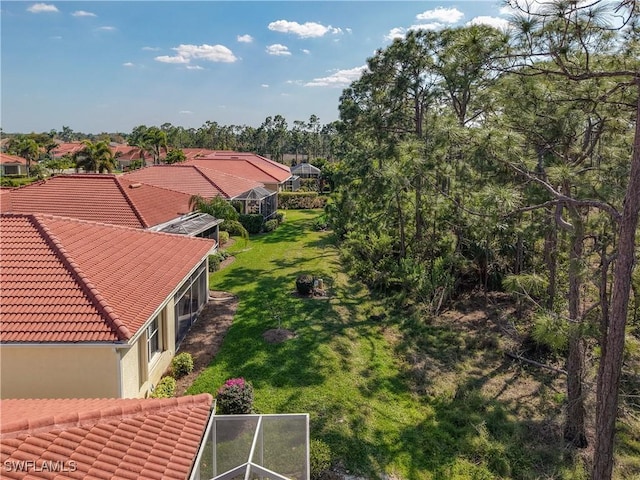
[153, 340]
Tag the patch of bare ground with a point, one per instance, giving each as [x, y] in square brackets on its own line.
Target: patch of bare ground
[278, 335]
[205, 337]
[482, 346]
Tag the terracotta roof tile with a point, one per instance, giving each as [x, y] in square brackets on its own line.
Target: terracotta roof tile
[101, 198]
[194, 180]
[67, 280]
[100, 439]
[6, 158]
[242, 164]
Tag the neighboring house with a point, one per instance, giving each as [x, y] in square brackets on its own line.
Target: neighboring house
[12, 165]
[105, 198]
[272, 175]
[91, 310]
[209, 183]
[66, 148]
[103, 438]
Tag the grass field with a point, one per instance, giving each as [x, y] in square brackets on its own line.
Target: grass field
[392, 394]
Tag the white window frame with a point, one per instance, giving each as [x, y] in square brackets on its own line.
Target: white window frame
[153, 330]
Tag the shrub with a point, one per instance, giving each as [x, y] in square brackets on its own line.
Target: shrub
[166, 388]
[252, 222]
[309, 184]
[280, 217]
[223, 237]
[301, 200]
[182, 364]
[234, 227]
[304, 284]
[214, 263]
[270, 225]
[235, 397]
[319, 458]
[216, 258]
[320, 223]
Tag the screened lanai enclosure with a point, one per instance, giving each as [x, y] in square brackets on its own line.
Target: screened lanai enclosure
[258, 200]
[247, 447]
[306, 170]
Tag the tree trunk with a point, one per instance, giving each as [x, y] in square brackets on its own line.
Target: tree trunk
[574, 430]
[614, 336]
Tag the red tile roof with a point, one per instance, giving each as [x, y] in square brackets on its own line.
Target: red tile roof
[103, 438]
[194, 180]
[6, 158]
[66, 280]
[67, 148]
[104, 198]
[246, 165]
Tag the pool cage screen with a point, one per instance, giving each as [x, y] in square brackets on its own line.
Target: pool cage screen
[255, 447]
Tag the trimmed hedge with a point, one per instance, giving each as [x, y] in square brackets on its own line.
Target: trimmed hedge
[252, 222]
[182, 364]
[270, 225]
[223, 237]
[300, 200]
[166, 388]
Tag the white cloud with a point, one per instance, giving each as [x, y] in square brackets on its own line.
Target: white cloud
[42, 8]
[341, 78]
[427, 26]
[499, 23]
[245, 38]
[348, 30]
[185, 112]
[194, 67]
[277, 49]
[394, 33]
[211, 53]
[441, 14]
[304, 30]
[264, 85]
[83, 13]
[107, 28]
[305, 51]
[168, 59]
[151, 49]
[128, 64]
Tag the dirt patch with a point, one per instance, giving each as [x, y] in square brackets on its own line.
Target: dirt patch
[205, 337]
[278, 335]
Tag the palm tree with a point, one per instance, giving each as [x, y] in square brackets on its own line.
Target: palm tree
[28, 149]
[95, 157]
[154, 140]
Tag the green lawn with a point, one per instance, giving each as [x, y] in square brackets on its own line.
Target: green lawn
[348, 369]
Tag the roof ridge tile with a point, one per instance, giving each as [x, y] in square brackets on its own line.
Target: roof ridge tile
[133, 206]
[89, 289]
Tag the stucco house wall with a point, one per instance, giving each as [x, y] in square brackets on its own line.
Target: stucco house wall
[59, 371]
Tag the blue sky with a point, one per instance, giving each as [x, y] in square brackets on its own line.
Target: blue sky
[110, 66]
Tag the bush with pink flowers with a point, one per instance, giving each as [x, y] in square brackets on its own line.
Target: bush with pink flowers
[235, 397]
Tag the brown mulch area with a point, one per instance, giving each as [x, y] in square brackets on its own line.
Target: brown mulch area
[278, 335]
[206, 336]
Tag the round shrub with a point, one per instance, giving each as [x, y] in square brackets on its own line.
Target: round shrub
[280, 217]
[270, 225]
[182, 364]
[235, 397]
[166, 388]
[319, 458]
[223, 237]
[304, 284]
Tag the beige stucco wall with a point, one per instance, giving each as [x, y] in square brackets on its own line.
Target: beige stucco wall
[73, 371]
[138, 375]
